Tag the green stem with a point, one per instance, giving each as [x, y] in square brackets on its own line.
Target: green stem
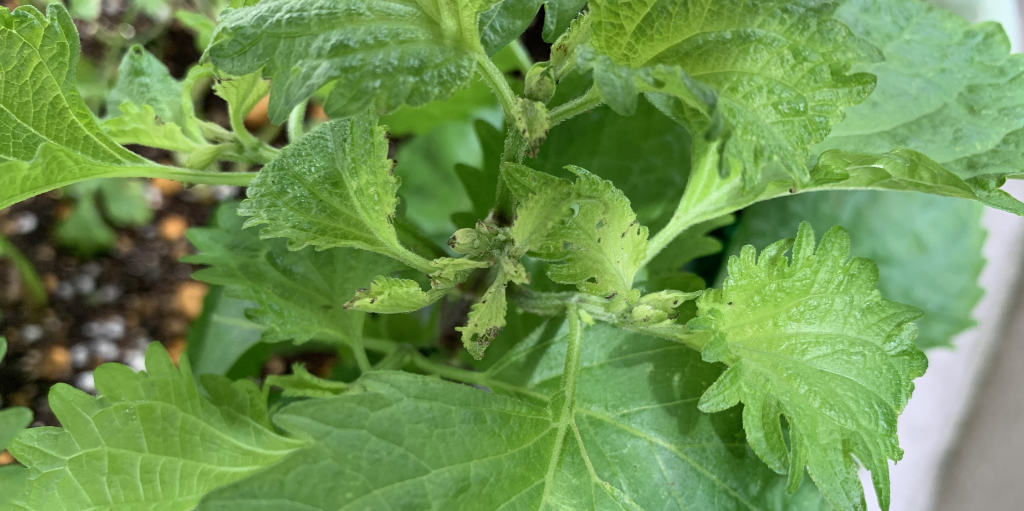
[499, 85]
[297, 122]
[582, 104]
[571, 373]
[359, 350]
[192, 176]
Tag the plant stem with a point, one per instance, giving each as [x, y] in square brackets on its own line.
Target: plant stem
[359, 350]
[499, 85]
[582, 104]
[571, 373]
[191, 176]
[297, 122]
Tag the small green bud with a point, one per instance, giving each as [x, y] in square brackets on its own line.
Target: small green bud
[540, 83]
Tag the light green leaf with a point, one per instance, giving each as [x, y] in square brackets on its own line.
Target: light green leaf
[388, 295]
[143, 80]
[303, 384]
[486, 317]
[242, 93]
[928, 249]
[140, 125]
[13, 480]
[947, 89]
[151, 439]
[601, 247]
[301, 294]
[768, 78]
[813, 340]
[333, 188]
[379, 55]
[51, 137]
[219, 338]
[957, 86]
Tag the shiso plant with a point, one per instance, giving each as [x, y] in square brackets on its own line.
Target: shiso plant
[531, 327]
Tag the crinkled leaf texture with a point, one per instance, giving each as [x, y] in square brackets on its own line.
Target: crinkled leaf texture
[600, 246]
[379, 54]
[48, 136]
[947, 89]
[767, 78]
[150, 441]
[928, 249]
[813, 340]
[301, 294]
[636, 441]
[332, 188]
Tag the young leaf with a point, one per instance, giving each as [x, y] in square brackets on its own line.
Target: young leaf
[947, 89]
[486, 318]
[152, 439]
[301, 294]
[813, 340]
[767, 78]
[333, 188]
[141, 125]
[303, 384]
[143, 80]
[388, 295]
[928, 249]
[379, 55]
[600, 248]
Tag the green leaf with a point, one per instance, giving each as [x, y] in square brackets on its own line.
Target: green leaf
[303, 384]
[242, 93]
[505, 22]
[301, 294]
[12, 420]
[928, 249]
[152, 439]
[601, 247]
[124, 202]
[768, 78]
[377, 55]
[388, 295]
[14, 480]
[85, 231]
[486, 318]
[52, 138]
[639, 441]
[813, 340]
[333, 188]
[141, 126]
[427, 169]
[947, 89]
[646, 155]
[143, 80]
[219, 338]
[558, 14]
